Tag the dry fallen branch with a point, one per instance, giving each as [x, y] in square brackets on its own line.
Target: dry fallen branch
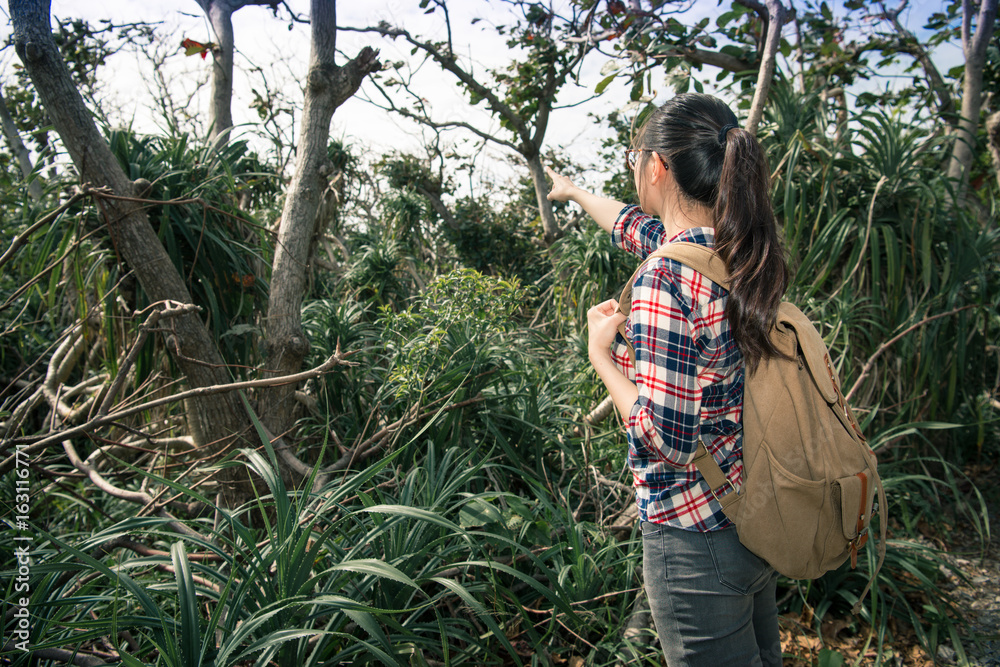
[60, 366]
[72, 657]
[139, 497]
[597, 415]
[336, 359]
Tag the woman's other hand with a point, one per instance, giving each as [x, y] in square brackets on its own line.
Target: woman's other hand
[602, 324]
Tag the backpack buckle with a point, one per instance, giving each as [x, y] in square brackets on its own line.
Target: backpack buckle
[855, 546]
[723, 490]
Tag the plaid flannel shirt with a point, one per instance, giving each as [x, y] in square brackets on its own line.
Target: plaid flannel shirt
[689, 372]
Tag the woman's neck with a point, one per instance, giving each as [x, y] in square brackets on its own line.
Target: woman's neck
[680, 216]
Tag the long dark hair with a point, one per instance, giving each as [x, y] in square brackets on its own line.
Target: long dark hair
[728, 172]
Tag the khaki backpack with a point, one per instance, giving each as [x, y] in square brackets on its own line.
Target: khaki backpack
[809, 476]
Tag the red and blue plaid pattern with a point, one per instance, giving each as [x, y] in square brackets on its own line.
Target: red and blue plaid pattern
[689, 372]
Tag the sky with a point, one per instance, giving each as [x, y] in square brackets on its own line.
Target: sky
[262, 40]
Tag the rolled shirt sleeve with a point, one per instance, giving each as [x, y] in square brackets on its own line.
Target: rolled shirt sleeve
[664, 423]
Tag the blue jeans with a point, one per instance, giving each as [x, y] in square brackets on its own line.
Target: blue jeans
[713, 602]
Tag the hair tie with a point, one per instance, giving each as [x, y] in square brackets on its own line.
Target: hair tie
[725, 130]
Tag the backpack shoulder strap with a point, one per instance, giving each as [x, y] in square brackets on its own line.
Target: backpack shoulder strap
[702, 259]
[708, 263]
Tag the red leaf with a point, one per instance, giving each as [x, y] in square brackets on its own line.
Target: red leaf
[192, 47]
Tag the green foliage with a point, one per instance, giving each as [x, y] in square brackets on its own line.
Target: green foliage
[369, 569]
[881, 253]
[543, 63]
[460, 322]
[879, 250]
[457, 511]
[589, 270]
[495, 241]
[377, 273]
[214, 241]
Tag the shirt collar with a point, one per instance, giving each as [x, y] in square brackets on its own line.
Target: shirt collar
[701, 235]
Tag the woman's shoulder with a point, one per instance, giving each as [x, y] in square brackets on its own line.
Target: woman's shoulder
[687, 284]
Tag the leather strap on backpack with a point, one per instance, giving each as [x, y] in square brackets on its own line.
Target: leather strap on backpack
[862, 537]
[722, 489]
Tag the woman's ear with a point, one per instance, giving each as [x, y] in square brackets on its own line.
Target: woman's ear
[657, 168]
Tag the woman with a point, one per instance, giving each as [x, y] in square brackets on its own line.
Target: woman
[703, 179]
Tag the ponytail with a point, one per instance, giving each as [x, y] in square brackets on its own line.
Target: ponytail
[723, 167]
[747, 239]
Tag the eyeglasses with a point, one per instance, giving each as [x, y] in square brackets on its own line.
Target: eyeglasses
[632, 157]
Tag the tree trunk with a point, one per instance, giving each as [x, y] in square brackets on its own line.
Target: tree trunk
[800, 56]
[19, 149]
[327, 87]
[963, 153]
[549, 226]
[993, 141]
[220, 14]
[776, 14]
[216, 422]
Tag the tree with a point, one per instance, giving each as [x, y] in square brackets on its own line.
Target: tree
[85, 48]
[776, 16]
[648, 38]
[835, 50]
[473, 514]
[523, 95]
[217, 422]
[327, 87]
[220, 15]
[974, 45]
[19, 149]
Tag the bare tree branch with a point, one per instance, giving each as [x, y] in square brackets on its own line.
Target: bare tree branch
[446, 59]
[170, 310]
[601, 411]
[892, 341]
[529, 132]
[908, 43]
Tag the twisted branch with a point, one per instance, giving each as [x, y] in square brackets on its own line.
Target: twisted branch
[336, 359]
